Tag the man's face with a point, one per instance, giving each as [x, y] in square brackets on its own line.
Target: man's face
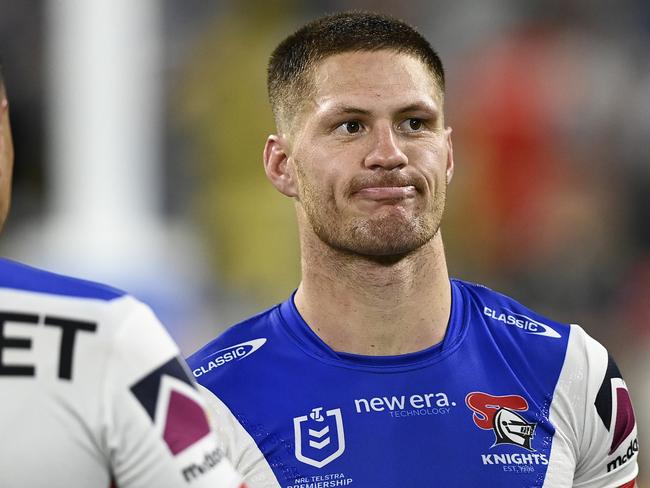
[6, 157]
[372, 158]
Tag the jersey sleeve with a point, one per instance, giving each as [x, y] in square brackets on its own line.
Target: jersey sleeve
[238, 444]
[607, 445]
[155, 427]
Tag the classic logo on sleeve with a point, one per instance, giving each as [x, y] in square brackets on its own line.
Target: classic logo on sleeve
[522, 322]
[228, 354]
[174, 406]
[319, 437]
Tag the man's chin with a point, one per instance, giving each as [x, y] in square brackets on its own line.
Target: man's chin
[386, 238]
[389, 252]
[381, 249]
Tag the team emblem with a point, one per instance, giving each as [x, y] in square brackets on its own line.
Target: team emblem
[499, 414]
[614, 406]
[174, 406]
[319, 437]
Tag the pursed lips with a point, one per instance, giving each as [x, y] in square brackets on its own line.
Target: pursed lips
[379, 193]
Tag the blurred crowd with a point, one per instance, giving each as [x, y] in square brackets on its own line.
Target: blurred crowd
[550, 106]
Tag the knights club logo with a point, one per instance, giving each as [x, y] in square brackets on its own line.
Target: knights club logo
[499, 413]
[319, 437]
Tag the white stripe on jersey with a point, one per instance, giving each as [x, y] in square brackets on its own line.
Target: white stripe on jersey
[579, 455]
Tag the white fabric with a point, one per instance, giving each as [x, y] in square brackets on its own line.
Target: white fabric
[239, 446]
[580, 451]
[90, 429]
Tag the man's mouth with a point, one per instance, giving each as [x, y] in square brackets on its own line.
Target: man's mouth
[381, 193]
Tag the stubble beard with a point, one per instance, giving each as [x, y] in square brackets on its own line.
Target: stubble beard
[388, 236]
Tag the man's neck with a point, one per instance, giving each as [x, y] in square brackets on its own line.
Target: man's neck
[360, 306]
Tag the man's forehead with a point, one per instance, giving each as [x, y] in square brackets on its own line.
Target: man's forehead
[359, 81]
[384, 65]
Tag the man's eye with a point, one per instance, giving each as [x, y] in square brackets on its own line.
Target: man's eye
[412, 125]
[351, 127]
[415, 124]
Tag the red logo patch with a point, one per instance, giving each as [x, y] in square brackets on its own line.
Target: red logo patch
[498, 413]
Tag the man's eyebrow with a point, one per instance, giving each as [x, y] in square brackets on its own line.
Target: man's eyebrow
[346, 109]
[420, 107]
[352, 110]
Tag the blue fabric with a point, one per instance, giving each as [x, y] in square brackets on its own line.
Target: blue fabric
[396, 421]
[21, 277]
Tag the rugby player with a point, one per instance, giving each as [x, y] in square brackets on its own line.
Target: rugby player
[379, 370]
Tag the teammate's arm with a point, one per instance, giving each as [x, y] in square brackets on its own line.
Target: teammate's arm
[156, 429]
[6, 154]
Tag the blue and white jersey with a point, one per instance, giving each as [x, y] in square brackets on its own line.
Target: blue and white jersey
[93, 392]
[507, 399]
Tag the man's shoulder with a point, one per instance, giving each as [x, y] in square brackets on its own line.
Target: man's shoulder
[505, 314]
[237, 343]
[112, 316]
[28, 293]
[23, 278]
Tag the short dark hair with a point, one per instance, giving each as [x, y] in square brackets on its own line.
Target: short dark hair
[294, 59]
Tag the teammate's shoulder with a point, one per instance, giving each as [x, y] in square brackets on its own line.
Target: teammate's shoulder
[505, 313]
[21, 277]
[241, 339]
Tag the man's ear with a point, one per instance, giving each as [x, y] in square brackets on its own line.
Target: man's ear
[450, 156]
[277, 167]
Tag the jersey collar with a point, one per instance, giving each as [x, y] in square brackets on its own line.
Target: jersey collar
[313, 345]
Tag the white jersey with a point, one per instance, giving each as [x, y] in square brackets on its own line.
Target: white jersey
[93, 392]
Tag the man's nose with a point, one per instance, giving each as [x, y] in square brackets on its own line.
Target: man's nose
[385, 151]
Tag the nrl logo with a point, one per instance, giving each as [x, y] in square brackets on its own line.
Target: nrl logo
[499, 414]
[319, 439]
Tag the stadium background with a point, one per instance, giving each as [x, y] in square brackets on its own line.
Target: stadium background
[139, 128]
